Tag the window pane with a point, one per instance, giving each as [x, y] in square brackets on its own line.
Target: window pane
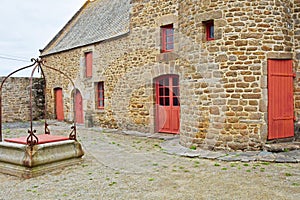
[167, 101]
[167, 92]
[170, 31]
[175, 91]
[161, 101]
[161, 82]
[175, 81]
[166, 82]
[170, 39]
[161, 91]
[175, 101]
[170, 46]
[211, 31]
[101, 104]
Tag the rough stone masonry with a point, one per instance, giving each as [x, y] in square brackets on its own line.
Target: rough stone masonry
[223, 82]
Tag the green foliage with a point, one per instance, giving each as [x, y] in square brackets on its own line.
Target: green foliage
[288, 174]
[193, 147]
[112, 183]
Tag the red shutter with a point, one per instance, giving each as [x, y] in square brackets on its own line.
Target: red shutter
[280, 99]
[89, 64]
[59, 104]
[79, 108]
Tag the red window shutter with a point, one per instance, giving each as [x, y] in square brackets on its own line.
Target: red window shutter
[167, 38]
[280, 99]
[59, 106]
[89, 64]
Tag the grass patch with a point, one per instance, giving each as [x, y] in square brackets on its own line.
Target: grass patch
[112, 183]
[288, 174]
[265, 163]
[217, 165]
[233, 164]
[151, 179]
[193, 147]
[224, 168]
[296, 184]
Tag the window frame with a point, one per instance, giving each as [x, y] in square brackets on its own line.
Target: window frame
[100, 90]
[165, 36]
[209, 25]
[88, 64]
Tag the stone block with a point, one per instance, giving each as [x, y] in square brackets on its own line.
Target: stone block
[24, 161]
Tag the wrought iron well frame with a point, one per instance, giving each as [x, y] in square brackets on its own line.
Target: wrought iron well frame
[32, 139]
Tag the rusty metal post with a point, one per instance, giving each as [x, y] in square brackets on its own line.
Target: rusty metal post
[1, 87]
[73, 133]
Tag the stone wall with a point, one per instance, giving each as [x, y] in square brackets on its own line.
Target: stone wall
[128, 71]
[231, 108]
[223, 82]
[16, 99]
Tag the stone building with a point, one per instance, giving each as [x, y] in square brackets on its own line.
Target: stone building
[221, 73]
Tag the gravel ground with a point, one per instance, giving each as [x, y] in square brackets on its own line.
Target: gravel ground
[118, 166]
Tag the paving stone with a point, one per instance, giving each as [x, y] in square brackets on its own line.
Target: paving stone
[214, 155]
[230, 158]
[285, 159]
[248, 159]
[264, 153]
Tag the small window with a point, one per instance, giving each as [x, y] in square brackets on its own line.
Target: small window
[100, 95]
[167, 38]
[210, 30]
[88, 64]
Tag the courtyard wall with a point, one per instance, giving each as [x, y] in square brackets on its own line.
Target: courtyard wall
[16, 99]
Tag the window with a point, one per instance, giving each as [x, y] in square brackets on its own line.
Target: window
[210, 30]
[167, 38]
[100, 95]
[88, 64]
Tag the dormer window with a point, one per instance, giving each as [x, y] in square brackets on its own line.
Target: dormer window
[167, 38]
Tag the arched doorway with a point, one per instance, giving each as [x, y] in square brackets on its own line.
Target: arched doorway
[167, 104]
[59, 105]
[79, 107]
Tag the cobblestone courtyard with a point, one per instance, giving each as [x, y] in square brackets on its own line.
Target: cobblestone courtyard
[118, 166]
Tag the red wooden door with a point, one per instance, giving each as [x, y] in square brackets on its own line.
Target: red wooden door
[280, 99]
[167, 104]
[59, 106]
[79, 108]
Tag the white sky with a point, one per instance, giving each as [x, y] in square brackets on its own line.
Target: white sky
[27, 26]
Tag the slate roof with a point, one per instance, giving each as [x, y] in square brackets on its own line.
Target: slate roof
[96, 21]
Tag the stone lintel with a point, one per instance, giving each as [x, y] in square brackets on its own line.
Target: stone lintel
[275, 55]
